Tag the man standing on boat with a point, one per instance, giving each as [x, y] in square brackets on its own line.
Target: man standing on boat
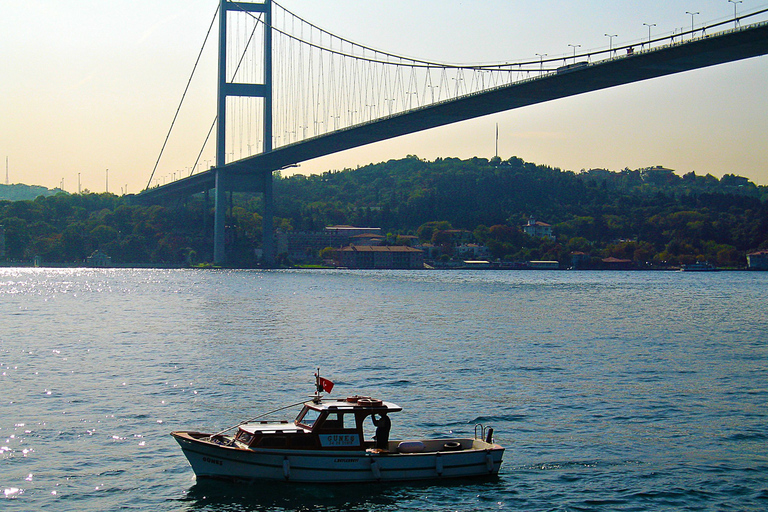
[383, 426]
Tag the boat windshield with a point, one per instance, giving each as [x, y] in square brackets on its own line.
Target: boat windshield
[308, 417]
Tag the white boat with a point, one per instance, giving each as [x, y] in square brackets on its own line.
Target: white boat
[325, 444]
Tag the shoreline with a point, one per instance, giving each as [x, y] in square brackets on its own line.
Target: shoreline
[14, 264]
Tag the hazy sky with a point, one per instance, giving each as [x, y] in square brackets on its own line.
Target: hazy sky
[87, 86]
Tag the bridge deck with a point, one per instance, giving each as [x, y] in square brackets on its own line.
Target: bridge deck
[707, 51]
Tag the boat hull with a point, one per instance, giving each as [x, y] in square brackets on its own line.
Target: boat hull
[476, 458]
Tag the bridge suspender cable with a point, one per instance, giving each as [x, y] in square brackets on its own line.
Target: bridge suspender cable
[234, 73]
[182, 98]
[420, 63]
[205, 143]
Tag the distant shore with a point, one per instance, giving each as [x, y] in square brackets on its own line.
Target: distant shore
[204, 266]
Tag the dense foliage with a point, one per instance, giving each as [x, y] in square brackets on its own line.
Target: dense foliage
[67, 228]
[650, 216]
[21, 192]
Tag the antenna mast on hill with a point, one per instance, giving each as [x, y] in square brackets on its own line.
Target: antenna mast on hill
[6, 171]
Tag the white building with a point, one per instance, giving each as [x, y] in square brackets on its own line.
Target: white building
[538, 229]
[472, 251]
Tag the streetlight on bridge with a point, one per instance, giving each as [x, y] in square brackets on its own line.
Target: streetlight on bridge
[432, 89]
[541, 62]
[610, 42]
[574, 46]
[692, 15]
[735, 14]
[649, 25]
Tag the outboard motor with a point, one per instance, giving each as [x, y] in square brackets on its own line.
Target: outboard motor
[489, 435]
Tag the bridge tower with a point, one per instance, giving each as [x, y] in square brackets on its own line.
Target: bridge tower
[225, 180]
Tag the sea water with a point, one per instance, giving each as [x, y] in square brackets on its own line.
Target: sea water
[609, 390]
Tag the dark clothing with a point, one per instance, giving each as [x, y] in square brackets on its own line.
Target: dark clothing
[383, 425]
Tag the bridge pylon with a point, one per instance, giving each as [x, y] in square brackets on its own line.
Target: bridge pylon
[224, 181]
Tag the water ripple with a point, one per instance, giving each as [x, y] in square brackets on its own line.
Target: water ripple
[610, 391]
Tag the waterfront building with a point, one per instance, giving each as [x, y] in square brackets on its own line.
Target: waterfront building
[477, 264]
[579, 259]
[306, 245]
[758, 260]
[380, 257]
[544, 265]
[98, 259]
[616, 264]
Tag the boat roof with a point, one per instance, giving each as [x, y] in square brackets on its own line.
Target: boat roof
[271, 428]
[353, 404]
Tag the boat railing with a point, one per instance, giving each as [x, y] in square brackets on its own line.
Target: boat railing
[486, 432]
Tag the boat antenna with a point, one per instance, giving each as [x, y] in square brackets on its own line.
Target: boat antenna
[257, 417]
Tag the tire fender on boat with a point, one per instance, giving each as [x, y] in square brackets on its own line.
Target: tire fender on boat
[439, 464]
[286, 468]
[376, 469]
[489, 461]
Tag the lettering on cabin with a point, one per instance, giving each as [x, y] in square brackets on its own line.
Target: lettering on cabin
[346, 460]
[339, 440]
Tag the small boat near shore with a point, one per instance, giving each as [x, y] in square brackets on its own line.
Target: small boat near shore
[325, 444]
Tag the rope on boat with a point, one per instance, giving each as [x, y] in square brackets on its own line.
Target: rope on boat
[256, 418]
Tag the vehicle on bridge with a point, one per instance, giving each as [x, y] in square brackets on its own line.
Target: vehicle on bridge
[571, 67]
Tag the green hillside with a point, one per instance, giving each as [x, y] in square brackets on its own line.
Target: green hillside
[652, 216]
[20, 192]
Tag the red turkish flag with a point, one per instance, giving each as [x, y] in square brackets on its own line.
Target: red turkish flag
[326, 384]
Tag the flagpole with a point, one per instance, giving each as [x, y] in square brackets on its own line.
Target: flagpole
[318, 386]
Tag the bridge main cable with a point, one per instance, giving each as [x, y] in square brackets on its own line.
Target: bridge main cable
[184, 95]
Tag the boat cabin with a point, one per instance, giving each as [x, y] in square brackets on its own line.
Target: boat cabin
[321, 424]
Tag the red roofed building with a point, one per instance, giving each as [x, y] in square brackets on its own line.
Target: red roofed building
[616, 264]
[367, 239]
[538, 229]
[758, 260]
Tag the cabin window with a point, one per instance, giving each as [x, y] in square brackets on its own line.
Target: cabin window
[244, 437]
[335, 420]
[310, 417]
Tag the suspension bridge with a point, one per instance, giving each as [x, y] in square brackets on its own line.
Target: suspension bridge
[289, 91]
